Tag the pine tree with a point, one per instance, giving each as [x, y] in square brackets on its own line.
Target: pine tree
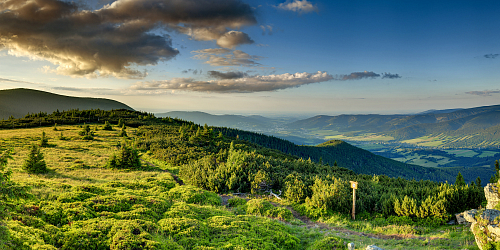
[44, 142]
[123, 133]
[494, 178]
[120, 123]
[460, 180]
[35, 162]
[107, 126]
[127, 158]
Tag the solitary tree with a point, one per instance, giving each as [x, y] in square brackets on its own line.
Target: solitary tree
[44, 142]
[107, 126]
[35, 162]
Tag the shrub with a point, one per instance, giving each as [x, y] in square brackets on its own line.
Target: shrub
[194, 195]
[236, 201]
[35, 162]
[107, 126]
[328, 243]
[259, 207]
[44, 141]
[128, 158]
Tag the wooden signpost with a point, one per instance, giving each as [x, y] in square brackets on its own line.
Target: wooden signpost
[354, 186]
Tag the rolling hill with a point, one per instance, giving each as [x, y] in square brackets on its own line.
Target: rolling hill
[19, 102]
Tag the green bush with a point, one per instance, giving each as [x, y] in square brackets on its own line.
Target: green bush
[259, 207]
[35, 163]
[236, 201]
[328, 243]
[194, 195]
[127, 158]
[107, 126]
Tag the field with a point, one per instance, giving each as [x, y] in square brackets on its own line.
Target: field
[147, 208]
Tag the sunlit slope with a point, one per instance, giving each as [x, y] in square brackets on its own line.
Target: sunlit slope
[19, 102]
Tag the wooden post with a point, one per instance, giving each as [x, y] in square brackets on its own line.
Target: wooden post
[354, 186]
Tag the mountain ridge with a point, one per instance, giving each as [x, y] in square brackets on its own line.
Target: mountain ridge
[21, 101]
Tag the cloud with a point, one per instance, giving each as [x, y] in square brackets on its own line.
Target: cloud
[114, 40]
[390, 76]
[221, 57]
[227, 75]
[483, 93]
[303, 6]
[269, 28]
[239, 85]
[194, 71]
[233, 38]
[491, 56]
[359, 75]
[16, 81]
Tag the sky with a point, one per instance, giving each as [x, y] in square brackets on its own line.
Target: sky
[257, 57]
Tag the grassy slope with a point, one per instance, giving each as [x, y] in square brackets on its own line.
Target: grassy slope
[102, 207]
[19, 102]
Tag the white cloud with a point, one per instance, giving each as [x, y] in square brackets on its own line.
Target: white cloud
[303, 6]
[239, 85]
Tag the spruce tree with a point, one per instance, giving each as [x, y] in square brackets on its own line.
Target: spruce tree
[44, 142]
[460, 180]
[494, 178]
[107, 126]
[35, 162]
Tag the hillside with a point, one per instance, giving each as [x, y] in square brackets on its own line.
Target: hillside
[19, 102]
[382, 123]
[171, 184]
[252, 123]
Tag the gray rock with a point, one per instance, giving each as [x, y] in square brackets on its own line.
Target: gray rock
[490, 215]
[373, 247]
[460, 218]
[350, 246]
[495, 231]
[470, 215]
[491, 194]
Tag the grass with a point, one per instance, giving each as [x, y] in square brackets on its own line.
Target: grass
[75, 163]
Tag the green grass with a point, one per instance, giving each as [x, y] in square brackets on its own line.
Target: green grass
[79, 199]
[462, 153]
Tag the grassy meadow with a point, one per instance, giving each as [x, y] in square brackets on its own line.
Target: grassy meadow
[81, 204]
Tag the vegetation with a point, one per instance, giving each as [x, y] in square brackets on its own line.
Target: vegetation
[35, 163]
[96, 198]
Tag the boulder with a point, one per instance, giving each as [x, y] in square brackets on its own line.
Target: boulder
[466, 217]
[491, 193]
[490, 215]
[350, 246]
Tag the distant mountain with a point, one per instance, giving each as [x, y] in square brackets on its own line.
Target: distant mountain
[382, 123]
[253, 122]
[19, 102]
[435, 111]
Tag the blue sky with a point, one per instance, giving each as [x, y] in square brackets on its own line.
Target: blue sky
[260, 57]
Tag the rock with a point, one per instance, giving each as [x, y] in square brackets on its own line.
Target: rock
[460, 218]
[373, 247]
[490, 215]
[451, 222]
[350, 246]
[470, 215]
[495, 231]
[491, 193]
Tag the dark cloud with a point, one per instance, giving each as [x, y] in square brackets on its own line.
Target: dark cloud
[239, 85]
[491, 56]
[390, 76]
[114, 40]
[359, 75]
[483, 93]
[227, 75]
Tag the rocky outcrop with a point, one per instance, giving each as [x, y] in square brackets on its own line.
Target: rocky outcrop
[485, 224]
[491, 193]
